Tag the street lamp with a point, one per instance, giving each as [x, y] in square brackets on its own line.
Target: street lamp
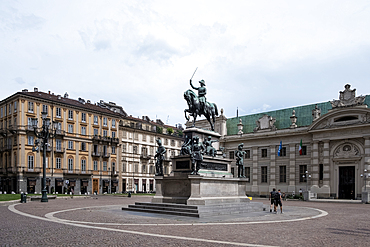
[365, 176]
[307, 176]
[43, 134]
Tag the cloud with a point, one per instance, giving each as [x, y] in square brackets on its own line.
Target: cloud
[19, 80]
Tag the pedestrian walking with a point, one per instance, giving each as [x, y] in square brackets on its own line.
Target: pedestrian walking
[272, 198]
[278, 202]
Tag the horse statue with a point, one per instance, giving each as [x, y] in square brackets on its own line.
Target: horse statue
[195, 109]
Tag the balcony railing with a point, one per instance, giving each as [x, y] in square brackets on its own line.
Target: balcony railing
[48, 149]
[145, 157]
[95, 154]
[106, 155]
[59, 150]
[60, 132]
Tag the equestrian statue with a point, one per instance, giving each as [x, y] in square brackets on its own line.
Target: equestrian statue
[198, 105]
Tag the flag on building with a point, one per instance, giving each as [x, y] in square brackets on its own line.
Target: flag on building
[300, 148]
[280, 148]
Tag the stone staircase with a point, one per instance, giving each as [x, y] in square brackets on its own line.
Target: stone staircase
[198, 211]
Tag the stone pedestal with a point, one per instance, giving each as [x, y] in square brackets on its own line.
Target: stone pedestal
[200, 190]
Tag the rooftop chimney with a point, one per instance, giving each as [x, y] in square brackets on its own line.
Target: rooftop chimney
[25, 90]
[35, 89]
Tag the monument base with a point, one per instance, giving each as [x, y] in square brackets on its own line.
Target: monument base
[199, 190]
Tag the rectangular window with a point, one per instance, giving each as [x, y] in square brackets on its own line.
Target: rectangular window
[58, 112]
[96, 132]
[70, 128]
[105, 133]
[263, 174]
[15, 106]
[30, 107]
[304, 150]
[83, 117]
[231, 155]
[283, 152]
[83, 165]
[58, 144]
[95, 165]
[83, 146]
[83, 130]
[1, 110]
[247, 154]
[58, 162]
[113, 150]
[70, 164]
[105, 121]
[136, 168]
[113, 134]
[282, 174]
[134, 150]
[123, 147]
[30, 141]
[70, 144]
[30, 161]
[96, 120]
[264, 153]
[15, 122]
[247, 171]
[105, 150]
[113, 123]
[302, 173]
[10, 109]
[70, 114]
[321, 172]
[104, 166]
[45, 108]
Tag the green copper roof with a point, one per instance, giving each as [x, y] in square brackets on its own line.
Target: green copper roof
[303, 114]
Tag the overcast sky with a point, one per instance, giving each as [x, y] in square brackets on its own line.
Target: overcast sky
[254, 55]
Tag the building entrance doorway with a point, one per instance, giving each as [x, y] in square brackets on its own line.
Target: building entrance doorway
[96, 185]
[347, 182]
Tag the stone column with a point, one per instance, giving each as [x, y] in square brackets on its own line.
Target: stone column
[315, 163]
[292, 169]
[326, 163]
[272, 180]
[255, 170]
[367, 162]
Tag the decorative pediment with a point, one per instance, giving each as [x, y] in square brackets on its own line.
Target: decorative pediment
[348, 98]
[342, 117]
[347, 150]
[265, 123]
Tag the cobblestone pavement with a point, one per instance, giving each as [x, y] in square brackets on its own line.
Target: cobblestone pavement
[99, 221]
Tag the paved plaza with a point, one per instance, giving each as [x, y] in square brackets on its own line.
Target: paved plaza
[100, 221]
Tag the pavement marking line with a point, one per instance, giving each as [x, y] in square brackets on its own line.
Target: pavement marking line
[51, 216]
[12, 208]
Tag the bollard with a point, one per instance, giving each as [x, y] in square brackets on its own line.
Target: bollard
[22, 197]
[129, 194]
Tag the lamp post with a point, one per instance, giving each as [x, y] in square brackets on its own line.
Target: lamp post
[43, 134]
[365, 177]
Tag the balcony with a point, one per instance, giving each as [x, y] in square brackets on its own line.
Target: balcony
[59, 132]
[96, 154]
[145, 157]
[106, 155]
[59, 150]
[48, 149]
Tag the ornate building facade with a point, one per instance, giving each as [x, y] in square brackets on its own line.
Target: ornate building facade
[331, 162]
[82, 155]
[139, 146]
